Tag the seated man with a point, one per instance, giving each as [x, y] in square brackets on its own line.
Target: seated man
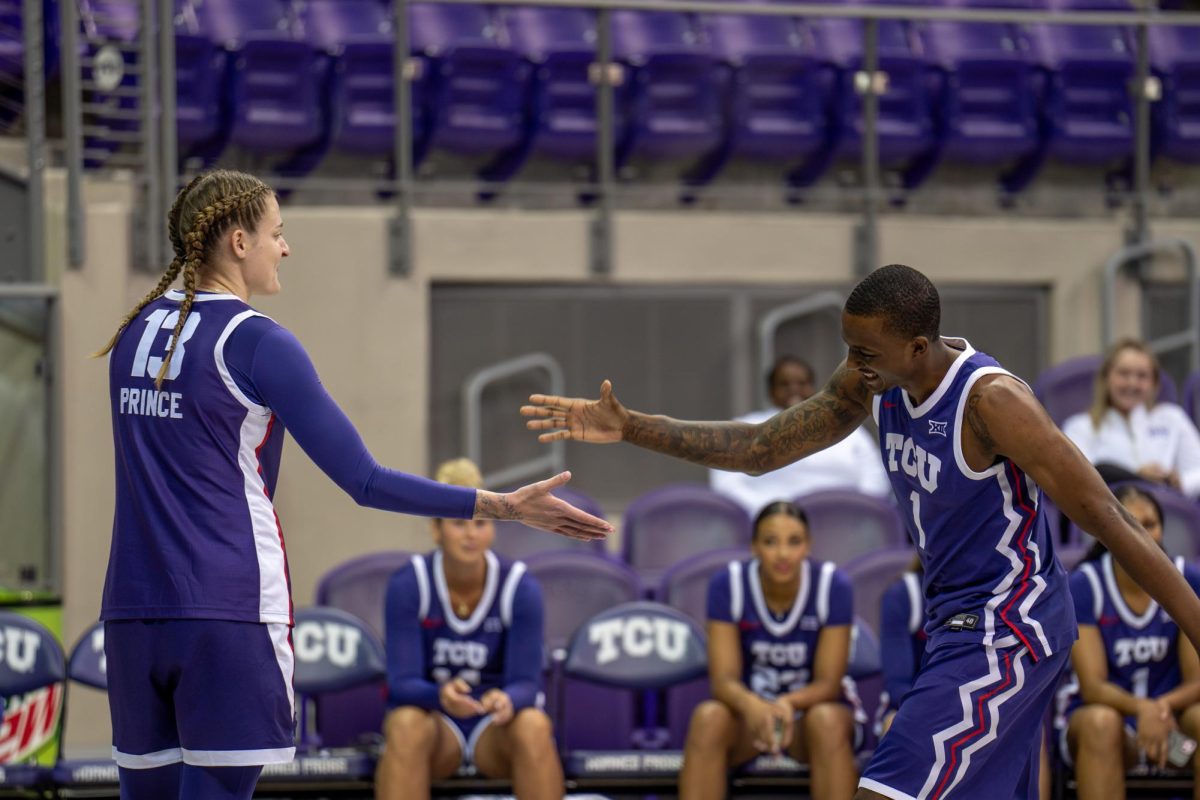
[852, 463]
[464, 648]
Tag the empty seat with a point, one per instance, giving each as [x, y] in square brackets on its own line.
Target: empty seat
[684, 585]
[872, 574]
[202, 110]
[666, 525]
[673, 110]
[845, 524]
[1175, 56]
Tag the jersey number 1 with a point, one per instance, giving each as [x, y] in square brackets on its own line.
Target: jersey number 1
[146, 365]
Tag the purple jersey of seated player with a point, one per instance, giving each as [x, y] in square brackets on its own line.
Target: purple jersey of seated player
[195, 533]
[779, 651]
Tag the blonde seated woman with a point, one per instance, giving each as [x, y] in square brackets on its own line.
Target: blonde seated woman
[778, 647]
[464, 647]
[1136, 679]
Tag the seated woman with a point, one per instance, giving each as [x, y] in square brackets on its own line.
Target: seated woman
[778, 646]
[464, 651]
[1136, 679]
[1126, 434]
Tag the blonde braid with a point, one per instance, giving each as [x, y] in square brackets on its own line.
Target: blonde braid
[207, 221]
[164, 283]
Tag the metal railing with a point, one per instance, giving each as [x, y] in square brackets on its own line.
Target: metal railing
[776, 318]
[554, 458]
[1134, 257]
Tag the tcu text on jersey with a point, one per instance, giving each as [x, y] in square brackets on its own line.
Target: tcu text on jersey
[904, 454]
[1141, 649]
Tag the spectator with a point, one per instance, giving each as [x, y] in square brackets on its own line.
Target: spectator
[852, 463]
[778, 646]
[1126, 434]
[464, 647]
[1136, 679]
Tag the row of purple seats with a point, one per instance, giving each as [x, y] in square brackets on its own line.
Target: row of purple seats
[505, 86]
[1067, 388]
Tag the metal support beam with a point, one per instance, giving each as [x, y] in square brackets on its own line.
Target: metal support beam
[35, 137]
[602, 223]
[404, 72]
[869, 83]
[168, 137]
[72, 112]
[147, 257]
[1139, 231]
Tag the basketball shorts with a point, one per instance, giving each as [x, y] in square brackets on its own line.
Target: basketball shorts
[971, 727]
[467, 732]
[210, 693]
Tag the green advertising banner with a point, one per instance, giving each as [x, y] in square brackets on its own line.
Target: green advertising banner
[30, 729]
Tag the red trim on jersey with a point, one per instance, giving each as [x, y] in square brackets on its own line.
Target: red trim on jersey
[979, 728]
[1026, 558]
[287, 573]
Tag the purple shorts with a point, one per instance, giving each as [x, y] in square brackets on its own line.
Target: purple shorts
[211, 693]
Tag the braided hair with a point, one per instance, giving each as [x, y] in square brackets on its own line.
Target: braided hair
[211, 204]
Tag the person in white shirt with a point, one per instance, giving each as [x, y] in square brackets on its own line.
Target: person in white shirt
[852, 463]
[1126, 430]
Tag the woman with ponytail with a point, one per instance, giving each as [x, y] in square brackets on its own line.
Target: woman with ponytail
[197, 602]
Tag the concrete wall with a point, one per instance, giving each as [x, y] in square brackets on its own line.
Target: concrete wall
[367, 334]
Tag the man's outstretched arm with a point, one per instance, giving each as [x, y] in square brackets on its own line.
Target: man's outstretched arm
[820, 421]
[1005, 419]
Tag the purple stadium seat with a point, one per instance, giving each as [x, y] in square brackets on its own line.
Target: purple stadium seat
[113, 119]
[673, 107]
[577, 586]
[871, 574]
[358, 586]
[666, 525]
[515, 540]
[1067, 387]
[278, 79]
[477, 84]
[201, 81]
[560, 43]
[906, 123]
[1175, 56]
[845, 524]
[1191, 397]
[773, 96]
[358, 35]
[684, 585]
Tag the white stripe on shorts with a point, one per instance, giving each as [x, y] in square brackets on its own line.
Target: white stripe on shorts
[238, 758]
[160, 758]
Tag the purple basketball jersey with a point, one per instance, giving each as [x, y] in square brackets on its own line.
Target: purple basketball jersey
[195, 533]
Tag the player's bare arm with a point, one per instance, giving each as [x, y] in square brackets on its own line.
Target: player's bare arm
[536, 507]
[824, 419]
[1002, 418]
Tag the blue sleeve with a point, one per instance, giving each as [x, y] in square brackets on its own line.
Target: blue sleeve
[895, 642]
[523, 650]
[841, 600]
[1081, 593]
[407, 684]
[272, 368]
[720, 605]
[1192, 576]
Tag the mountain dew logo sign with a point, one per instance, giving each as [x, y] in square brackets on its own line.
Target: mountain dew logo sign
[30, 725]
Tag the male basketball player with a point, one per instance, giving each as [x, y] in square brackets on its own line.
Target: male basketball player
[968, 450]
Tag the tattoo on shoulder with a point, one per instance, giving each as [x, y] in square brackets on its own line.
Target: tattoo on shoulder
[974, 418]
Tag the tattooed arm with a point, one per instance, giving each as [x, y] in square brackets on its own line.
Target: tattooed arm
[1004, 420]
[825, 418]
[537, 508]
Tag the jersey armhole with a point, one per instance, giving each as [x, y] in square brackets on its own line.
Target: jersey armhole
[510, 592]
[223, 368]
[959, 458]
[736, 599]
[875, 401]
[419, 569]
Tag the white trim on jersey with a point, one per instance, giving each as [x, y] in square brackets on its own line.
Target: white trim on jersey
[510, 592]
[968, 721]
[1089, 572]
[785, 627]
[238, 758]
[463, 627]
[1003, 589]
[223, 368]
[916, 412]
[1123, 610]
[422, 574]
[274, 600]
[883, 789]
[201, 297]
[823, 584]
[736, 600]
[285, 657]
[875, 401]
[160, 758]
[915, 597]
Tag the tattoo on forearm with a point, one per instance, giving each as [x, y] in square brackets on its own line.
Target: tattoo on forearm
[489, 505]
[978, 426]
[818, 422]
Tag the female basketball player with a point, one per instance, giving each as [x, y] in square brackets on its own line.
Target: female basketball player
[778, 645]
[1137, 679]
[464, 642]
[197, 603]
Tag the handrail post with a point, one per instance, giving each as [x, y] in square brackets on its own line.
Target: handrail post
[149, 95]
[869, 84]
[168, 137]
[1139, 231]
[35, 137]
[1136, 254]
[72, 111]
[770, 324]
[404, 72]
[602, 223]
